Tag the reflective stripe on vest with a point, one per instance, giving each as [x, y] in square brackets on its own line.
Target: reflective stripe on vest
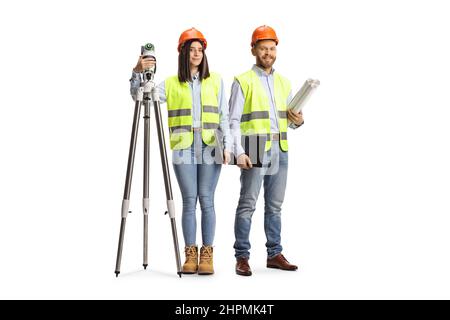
[179, 106]
[255, 119]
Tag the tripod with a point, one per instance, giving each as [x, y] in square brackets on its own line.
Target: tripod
[147, 92]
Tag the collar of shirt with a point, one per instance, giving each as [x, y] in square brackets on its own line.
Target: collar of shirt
[195, 76]
[260, 72]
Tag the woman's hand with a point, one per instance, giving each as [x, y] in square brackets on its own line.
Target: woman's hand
[226, 157]
[144, 64]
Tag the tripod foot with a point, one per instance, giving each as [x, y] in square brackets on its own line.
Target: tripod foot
[145, 266]
[179, 274]
[117, 273]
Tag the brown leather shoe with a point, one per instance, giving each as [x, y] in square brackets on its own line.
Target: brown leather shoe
[242, 267]
[280, 262]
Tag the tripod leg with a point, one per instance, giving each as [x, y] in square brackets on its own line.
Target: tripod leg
[145, 200]
[168, 185]
[126, 194]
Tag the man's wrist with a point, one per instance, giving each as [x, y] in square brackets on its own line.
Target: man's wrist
[238, 150]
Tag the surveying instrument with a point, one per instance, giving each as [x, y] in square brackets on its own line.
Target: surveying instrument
[147, 92]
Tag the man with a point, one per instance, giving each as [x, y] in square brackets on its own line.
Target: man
[258, 108]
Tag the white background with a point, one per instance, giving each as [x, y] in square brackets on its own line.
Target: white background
[366, 213]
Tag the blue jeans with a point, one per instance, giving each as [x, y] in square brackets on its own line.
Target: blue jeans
[197, 177]
[274, 175]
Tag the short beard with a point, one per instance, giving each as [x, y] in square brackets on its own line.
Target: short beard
[261, 63]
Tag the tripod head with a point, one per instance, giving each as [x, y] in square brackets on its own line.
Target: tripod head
[148, 51]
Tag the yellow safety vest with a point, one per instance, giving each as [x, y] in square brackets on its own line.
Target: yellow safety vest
[179, 105]
[255, 119]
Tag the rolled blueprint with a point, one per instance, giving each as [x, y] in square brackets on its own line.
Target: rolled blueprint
[303, 95]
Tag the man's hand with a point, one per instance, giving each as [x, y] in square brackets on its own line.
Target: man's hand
[144, 64]
[244, 162]
[226, 157]
[296, 118]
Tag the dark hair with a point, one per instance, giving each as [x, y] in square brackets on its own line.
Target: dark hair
[184, 71]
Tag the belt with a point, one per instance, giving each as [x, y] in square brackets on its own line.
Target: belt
[196, 129]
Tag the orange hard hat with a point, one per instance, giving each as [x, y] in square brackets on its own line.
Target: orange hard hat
[264, 33]
[190, 34]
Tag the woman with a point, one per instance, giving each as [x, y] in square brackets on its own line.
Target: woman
[197, 111]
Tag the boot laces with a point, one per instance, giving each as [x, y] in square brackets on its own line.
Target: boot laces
[191, 253]
[206, 253]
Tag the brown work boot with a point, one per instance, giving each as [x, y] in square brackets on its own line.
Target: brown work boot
[190, 266]
[280, 262]
[206, 260]
[242, 267]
